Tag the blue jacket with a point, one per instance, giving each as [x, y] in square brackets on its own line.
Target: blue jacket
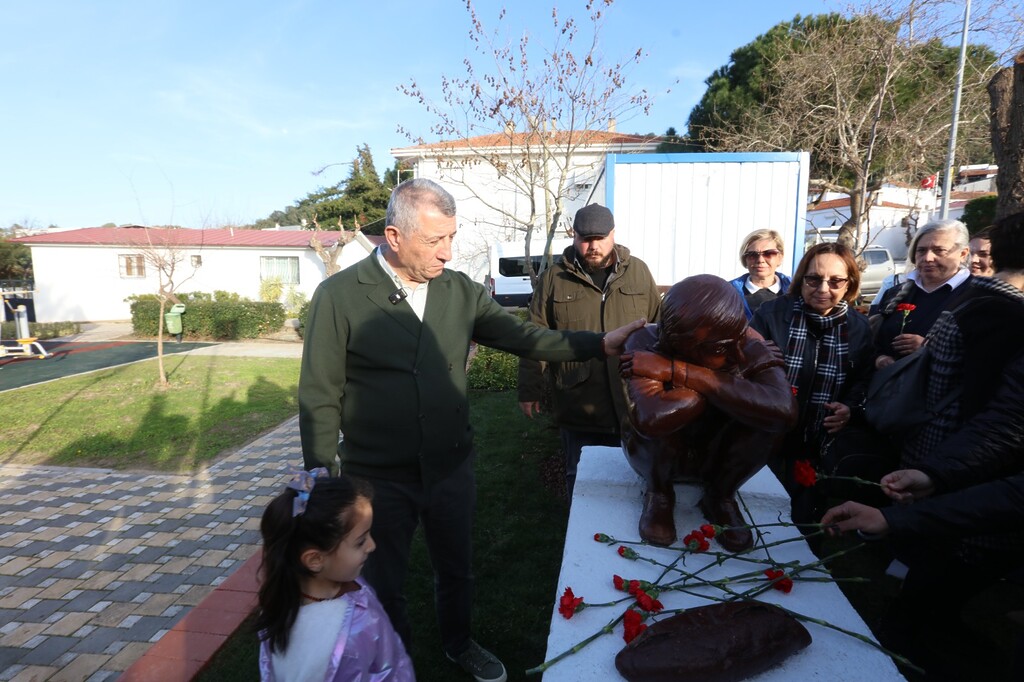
[740, 285]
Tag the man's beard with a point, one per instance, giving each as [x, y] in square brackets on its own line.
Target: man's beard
[592, 266]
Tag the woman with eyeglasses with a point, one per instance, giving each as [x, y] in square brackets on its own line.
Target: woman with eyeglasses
[829, 359]
[761, 254]
[939, 252]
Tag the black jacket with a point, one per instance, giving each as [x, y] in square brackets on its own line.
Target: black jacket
[981, 468]
[774, 319]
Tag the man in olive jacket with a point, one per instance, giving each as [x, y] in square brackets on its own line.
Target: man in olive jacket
[384, 363]
[596, 286]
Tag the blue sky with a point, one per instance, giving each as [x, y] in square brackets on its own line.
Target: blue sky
[203, 113]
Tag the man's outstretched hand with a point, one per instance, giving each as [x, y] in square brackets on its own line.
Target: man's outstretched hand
[614, 342]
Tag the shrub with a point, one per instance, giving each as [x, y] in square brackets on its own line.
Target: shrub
[222, 318]
[979, 213]
[295, 301]
[40, 330]
[493, 370]
[303, 314]
[271, 289]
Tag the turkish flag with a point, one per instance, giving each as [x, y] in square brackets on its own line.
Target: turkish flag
[929, 182]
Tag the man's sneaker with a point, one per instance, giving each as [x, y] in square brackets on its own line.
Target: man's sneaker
[480, 663]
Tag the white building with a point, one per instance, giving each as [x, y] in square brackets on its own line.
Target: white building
[86, 274]
[491, 206]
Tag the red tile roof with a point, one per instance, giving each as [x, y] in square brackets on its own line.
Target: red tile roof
[136, 235]
[583, 137]
[845, 203]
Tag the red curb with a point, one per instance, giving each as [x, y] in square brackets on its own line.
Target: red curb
[182, 652]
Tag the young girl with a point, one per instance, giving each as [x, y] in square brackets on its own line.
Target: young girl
[318, 620]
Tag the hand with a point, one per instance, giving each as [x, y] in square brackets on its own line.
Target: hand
[853, 516]
[530, 408]
[614, 342]
[838, 419]
[905, 344]
[884, 361]
[646, 364]
[907, 485]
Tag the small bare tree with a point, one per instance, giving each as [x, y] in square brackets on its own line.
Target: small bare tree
[165, 256]
[330, 254]
[526, 110]
[1006, 92]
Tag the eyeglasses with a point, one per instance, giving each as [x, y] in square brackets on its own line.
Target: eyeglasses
[757, 255]
[814, 281]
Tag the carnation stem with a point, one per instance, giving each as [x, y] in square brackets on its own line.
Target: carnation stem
[606, 630]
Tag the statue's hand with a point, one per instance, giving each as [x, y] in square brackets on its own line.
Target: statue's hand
[646, 364]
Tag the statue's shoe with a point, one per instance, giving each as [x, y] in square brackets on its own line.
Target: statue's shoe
[657, 525]
[726, 512]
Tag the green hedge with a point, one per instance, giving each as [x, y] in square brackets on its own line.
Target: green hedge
[40, 330]
[211, 317]
[493, 370]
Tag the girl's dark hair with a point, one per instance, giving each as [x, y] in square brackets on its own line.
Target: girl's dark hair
[1007, 237]
[325, 523]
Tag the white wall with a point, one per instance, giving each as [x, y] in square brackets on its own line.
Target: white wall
[687, 214]
[83, 283]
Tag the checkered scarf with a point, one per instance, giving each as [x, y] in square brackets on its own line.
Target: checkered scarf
[830, 357]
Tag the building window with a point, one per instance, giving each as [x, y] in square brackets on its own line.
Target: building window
[197, 261]
[285, 269]
[131, 265]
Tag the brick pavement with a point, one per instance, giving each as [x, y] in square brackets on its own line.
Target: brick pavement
[97, 565]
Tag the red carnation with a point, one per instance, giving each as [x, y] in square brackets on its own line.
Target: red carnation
[633, 624]
[648, 603]
[794, 389]
[570, 604]
[804, 473]
[618, 582]
[779, 580]
[708, 530]
[906, 309]
[628, 553]
[601, 537]
[696, 541]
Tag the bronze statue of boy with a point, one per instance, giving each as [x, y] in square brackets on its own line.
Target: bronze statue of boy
[709, 401]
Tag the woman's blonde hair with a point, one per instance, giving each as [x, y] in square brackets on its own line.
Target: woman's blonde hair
[758, 235]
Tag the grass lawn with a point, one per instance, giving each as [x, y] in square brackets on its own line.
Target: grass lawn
[116, 418]
[518, 536]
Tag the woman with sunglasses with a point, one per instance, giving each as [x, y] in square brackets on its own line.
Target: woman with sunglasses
[761, 254]
[829, 358]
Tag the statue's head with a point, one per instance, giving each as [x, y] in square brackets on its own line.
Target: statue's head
[703, 322]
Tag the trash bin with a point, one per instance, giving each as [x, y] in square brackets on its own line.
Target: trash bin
[172, 320]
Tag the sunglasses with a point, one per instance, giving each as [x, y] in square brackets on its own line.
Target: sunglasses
[757, 255]
[814, 281]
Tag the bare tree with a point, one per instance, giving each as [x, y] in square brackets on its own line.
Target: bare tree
[1006, 91]
[871, 96]
[526, 110]
[330, 254]
[165, 256]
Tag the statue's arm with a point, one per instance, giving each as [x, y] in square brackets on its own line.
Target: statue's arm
[760, 396]
[657, 407]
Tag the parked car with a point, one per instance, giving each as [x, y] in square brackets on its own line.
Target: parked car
[876, 264]
[508, 280]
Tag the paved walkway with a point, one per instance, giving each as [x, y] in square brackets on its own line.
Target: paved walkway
[96, 565]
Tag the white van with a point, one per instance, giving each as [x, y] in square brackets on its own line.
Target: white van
[508, 280]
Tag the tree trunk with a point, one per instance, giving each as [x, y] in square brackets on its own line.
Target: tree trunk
[161, 374]
[1006, 93]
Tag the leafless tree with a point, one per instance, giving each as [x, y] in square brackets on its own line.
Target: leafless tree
[525, 110]
[870, 95]
[330, 254]
[166, 257]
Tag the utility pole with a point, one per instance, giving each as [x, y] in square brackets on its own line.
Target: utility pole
[947, 180]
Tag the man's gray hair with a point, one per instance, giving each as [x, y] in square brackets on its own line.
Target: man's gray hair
[409, 196]
[960, 234]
